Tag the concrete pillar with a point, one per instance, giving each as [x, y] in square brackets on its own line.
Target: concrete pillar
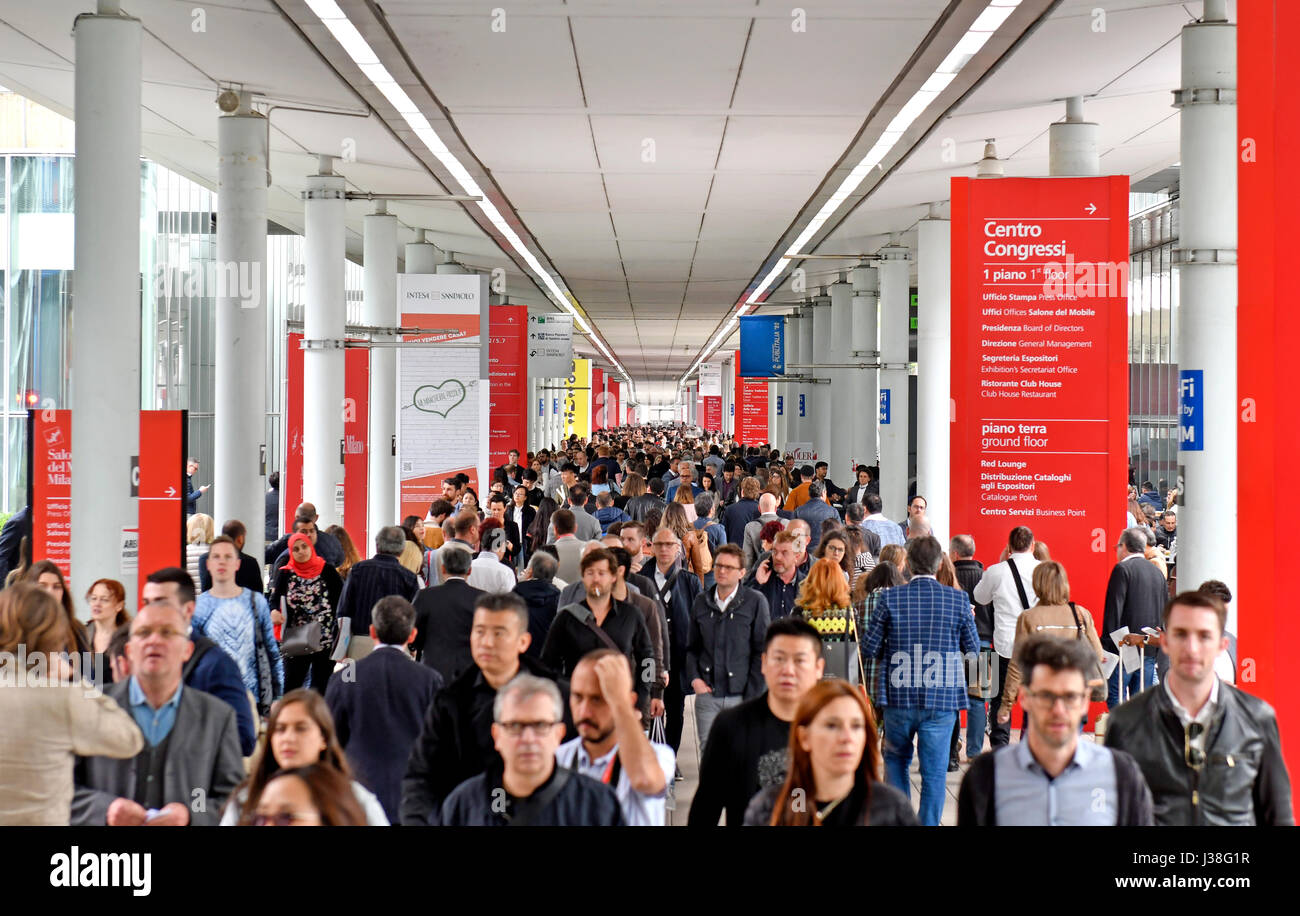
[728, 396]
[379, 310]
[1072, 143]
[933, 369]
[893, 270]
[790, 392]
[840, 394]
[1205, 337]
[238, 485]
[804, 401]
[865, 348]
[421, 256]
[821, 393]
[324, 323]
[532, 415]
[105, 370]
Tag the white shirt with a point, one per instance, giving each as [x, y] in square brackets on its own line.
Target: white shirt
[723, 602]
[998, 588]
[519, 522]
[1203, 716]
[491, 575]
[638, 810]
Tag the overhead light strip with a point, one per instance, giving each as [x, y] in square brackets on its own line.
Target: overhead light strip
[357, 48]
[981, 30]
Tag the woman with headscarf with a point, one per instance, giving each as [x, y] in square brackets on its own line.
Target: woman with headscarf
[306, 597]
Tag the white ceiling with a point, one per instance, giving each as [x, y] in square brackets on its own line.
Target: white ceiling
[746, 117]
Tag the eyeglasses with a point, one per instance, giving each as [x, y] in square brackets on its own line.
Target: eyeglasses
[143, 633]
[1047, 699]
[517, 729]
[726, 566]
[283, 819]
[1193, 756]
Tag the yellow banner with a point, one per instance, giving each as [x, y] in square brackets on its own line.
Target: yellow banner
[577, 400]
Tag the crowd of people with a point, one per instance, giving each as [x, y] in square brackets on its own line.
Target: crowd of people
[525, 657]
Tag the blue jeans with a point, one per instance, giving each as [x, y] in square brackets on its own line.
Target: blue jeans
[934, 726]
[1136, 681]
[977, 717]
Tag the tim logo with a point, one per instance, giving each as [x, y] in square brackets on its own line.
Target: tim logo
[54, 436]
[105, 869]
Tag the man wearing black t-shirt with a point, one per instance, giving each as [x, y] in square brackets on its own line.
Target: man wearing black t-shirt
[748, 747]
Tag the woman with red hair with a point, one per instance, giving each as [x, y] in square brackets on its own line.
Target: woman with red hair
[834, 759]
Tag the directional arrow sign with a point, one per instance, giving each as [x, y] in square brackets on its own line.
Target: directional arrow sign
[1091, 208]
[161, 509]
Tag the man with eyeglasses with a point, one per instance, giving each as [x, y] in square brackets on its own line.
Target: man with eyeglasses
[1210, 752]
[725, 647]
[1053, 777]
[677, 590]
[529, 787]
[190, 762]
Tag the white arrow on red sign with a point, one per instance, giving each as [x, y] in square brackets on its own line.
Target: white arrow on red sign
[1091, 208]
[171, 491]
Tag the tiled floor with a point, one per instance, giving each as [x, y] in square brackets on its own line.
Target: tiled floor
[688, 761]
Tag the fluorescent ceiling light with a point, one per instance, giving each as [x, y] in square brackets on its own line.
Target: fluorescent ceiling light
[981, 30]
[359, 50]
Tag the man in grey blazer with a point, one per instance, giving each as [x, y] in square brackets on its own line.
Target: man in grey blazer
[191, 760]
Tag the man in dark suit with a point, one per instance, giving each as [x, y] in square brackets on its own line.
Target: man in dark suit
[191, 746]
[542, 597]
[378, 711]
[372, 579]
[1135, 598]
[249, 574]
[18, 526]
[741, 512]
[455, 741]
[444, 614]
[677, 590]
[858, 492]
[497, 509]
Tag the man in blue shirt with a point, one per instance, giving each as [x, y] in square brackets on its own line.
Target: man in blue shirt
[925, 633]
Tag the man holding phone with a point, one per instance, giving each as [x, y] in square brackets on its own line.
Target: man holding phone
[777, 578]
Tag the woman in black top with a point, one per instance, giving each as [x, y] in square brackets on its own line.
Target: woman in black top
[306, 591]
[831, 780]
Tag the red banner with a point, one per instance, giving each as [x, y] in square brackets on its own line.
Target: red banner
[598, 417]
[615, 399]
[751, 408]
[356, 456]
[161, 492]
[1040, 368]
[291, 479]
[711, 413]
[508, 395]
[49, 486]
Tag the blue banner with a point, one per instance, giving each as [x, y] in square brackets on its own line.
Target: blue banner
[780, 405]
[541, 407]
[884, 405]
[762, 346]
[801, 413]
[1191, 410]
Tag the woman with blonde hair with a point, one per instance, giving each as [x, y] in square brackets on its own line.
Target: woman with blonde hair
[1054, 615]
[46, 723]
[200, 531]
[685, 498]
[695, 543]
[831, 779]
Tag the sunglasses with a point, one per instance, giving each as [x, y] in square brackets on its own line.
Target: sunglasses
[1192, 755]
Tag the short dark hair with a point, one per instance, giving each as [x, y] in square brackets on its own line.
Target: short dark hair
[792, 626]
[1057, 654]
[393, 618]
[578, 493]
[117, 645]
[1216, 588]
[731, 550]
[1021, 539]
[224, 539]
[274, 480]
[821, 464]
[234, 529]
[505, 602]
[656, 485]
[1198, 599]
[183, 580]
[599, 555]
[924, 555]
[873, 503]
[497, 498]
[438, 507]
[621, 557]
[563, 521]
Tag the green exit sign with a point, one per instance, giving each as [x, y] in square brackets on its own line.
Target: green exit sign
[913, 322]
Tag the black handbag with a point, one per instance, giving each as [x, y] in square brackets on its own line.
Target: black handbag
[303, 639]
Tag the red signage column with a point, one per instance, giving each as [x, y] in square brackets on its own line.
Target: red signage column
[291, 480]
[161, 491]
[508, 396]
[598, 399]
[751, 408]
[711, 413]
[1040, 368]
[1268, 326]
[356, 457]
[49, 486]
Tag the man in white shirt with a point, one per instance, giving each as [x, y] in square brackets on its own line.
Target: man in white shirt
[487, 572]
[999, 587]
[611, 747]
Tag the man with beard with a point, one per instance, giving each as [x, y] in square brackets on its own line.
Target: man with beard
[611, 747]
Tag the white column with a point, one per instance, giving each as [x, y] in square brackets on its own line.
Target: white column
[324, 324]
[806, 431]
[379, 310]
[933, 369]
[239, 396]
[105, 371]
[821, 393]
[866, 349]
[840, 396]
[893, 270]
[1206, 333]
[790, 392]
[1072, 144]
[421, 256]
[728, 396]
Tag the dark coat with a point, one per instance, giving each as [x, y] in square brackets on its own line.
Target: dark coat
[677, 613]
[455, 741]
[249, 574]
[543, 600]
[444, 615]
[815, 512]
[570, 639]
[18, 526]
[1135, 597]
[214, 672]
[378, 713]
[370, 580]
[725, 650]
[578, 801]
[736, 516]
[969, 573]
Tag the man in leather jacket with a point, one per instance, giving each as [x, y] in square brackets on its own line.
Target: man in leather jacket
[1210, 752]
